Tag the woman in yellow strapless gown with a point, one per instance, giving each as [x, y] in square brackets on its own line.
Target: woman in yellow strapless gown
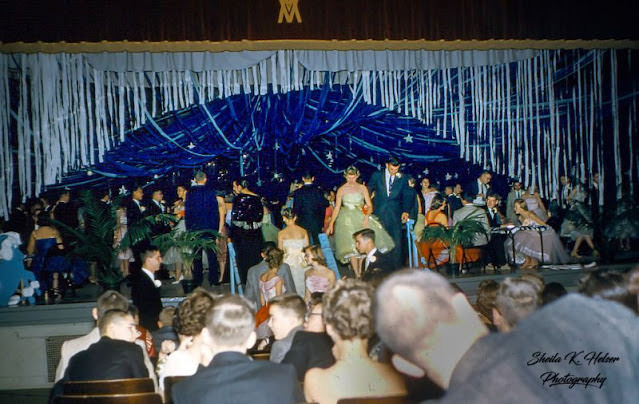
[353, 211]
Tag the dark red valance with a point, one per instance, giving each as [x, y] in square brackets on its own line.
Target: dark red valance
[236, 20]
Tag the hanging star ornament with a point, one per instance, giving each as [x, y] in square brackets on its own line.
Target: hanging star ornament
[408, 138]
[191, 146]
[425, 171]
[448, 177]
[329, 155]
[277, 146]
[123, 190]
[259, 182]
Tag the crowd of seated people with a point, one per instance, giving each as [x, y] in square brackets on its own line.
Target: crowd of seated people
[437, 345]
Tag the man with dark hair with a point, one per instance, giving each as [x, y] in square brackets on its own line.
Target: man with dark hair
[286, 318]
[231, 376]
[309, 205]
[480, 188]
[376, 264]
[204, 210]
[110, 300]
[393, 200]
[114, 356]
[145, 289]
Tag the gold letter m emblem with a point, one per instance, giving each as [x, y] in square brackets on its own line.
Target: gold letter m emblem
[289, 10]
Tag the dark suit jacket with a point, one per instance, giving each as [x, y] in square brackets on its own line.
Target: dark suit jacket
[474, 187]
[382, 266]
[201, 210]
[310, 350]
[107, 359]
[147, 298]
[133, 212]
[233, 378]
[494, 221]
[310, 205]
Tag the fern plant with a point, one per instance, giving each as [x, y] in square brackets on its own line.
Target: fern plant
[461, 233]
[95, 243]
[189, 244]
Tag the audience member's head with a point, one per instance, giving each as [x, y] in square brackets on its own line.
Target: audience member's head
[230, 324]
[425, 323]
[109, 300]
[314, 321]
[486, 295]
[118, 324]
[314, 253]
[286, 313]
[364, 240]
[348, 310]
[536, 279]
[288, 214]
[135, 313]
[166, 316]
[157, 195]
[608, 285]
[274, 257]
[192, 312]
[552, 291]
[516, 299]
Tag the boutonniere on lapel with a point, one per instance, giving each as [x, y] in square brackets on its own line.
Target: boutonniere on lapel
[398, 175]
[372, 259]
[157, 283]
[142, 208]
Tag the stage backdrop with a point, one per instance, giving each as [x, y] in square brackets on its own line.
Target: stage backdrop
[528, 114]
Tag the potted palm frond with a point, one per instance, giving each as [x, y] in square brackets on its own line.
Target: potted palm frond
[189, 245]
[462, 233]
[94, 245]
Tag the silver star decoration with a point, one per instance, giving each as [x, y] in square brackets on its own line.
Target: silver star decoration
[123, 190]
[277, 146]
[329, 155]
[448, 176]
[456, 175]
[276, 176]
[408, 138]
[259, 182]
[425, 171]
[193, 183]
[191, 146]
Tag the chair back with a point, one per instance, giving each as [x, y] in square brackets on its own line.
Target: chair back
[139, 398]
[375, 400]
[261, 356]
[169, 381]
[118, 386]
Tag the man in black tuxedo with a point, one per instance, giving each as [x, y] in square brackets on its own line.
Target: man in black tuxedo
[231, 376]
[495, 248]
[392, 200]
[309, 205]
[135, 210]
[480, 188]
[204, 210]
[114, 356]
[376, 265]
[156, 207]
[145, 289]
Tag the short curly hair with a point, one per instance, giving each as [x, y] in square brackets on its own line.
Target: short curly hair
[190, 316]
[348, 309]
